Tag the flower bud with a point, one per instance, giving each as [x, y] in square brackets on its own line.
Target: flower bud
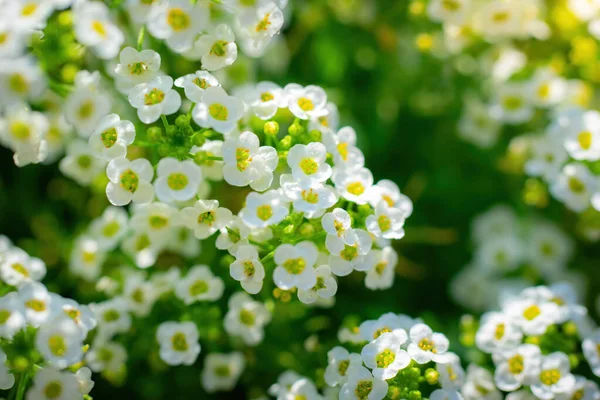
[285, 144]
[271, 128]
[154, 134]
[182, 121]
[431, 376]
[295, 130]
[315, 135]
[200, 158]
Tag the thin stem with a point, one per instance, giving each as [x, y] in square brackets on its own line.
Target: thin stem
[214, 158]
[140, 39]
[22, 385]
[189, 113]
[164, 121]
[267, 257]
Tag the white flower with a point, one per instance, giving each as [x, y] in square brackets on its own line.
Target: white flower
[211, 169]
[12, 315]
[591, 351]
[36, 299]
[387, 222]
[84, 108]
[549, 248]
[339, 224]
[354, 185]
[513, 367]
[295, 266]
[110, 227]
[532, 312]
[178, 22]
[233, 236]
[195, 84]
[24, 132]
[199, 285]
[258, 25]
[177, 180]
[136, 67]
[157, 219]
[178, 342]
[17, 268]
[247, 269]
[301, 389]
[452, 374]
[218, 49]
[111, 137]
[478, 125]
[387, 191]
[266, 99]
[60, 342]
[582, 139]
[52, 384]
[449, 11]
[362, 385]
[427, 346]
[388, 322]
[205, 218]
[264, 209]
[511, 104]
[81, 315]
[547, 89]
[21, 79]
[106, 356]
[139, 294]
[284, 383]
[84, 380]
[343, 147]
[305, 102]
[552, 376]
[94, 28]
[547, 157]
[312, 201]
[308, 164]
[81, 163]
[139, 9]
[381, 276]
[479, 385]
[129, 181]
[7, 379]
[500, 253]
[248, 163]
[154, 99]
[143, 247]
[584, 389]
[339, 361]
[222, 371]
[384, 356]
[246, 318]
[325, 288]
[113, 317]
[445, 394]
[346, 257]
[496, 332]
[218, 110]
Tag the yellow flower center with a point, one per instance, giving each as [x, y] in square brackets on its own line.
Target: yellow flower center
[264, 212]
[349, 253]
[129, 181]
[266, 96]
[380, 267]
[137, 68]
[343, 367]
[20, 268]
[18, 84]
[310, 196]
[138, 296]
[576, 185]
[72, 313]
[178, 19]
[53, 390]
[57, 345]
[247, 317]
[532, 312]
[111, 315]
[111, 229]
[515, 364]
[306, 104]
[384, 222]
[342, 148]
[585, 140]
[4, 316]
[501, 17]
[158, 221]
[20, 130]
[199, 287]
[201, 83]
[263, 25]
[451, 5]
[3, 37]
[295, 266]
[109, 137]
[179, 342]
[99, 28]
[249, 268]
[544, 91]
[385, 358]
[36, 305]
[499, 332]
[207, 217]
[381, 331]
[142, 242]
[550, 376]
[86, 110]
[155, 96]
[28, 9]
[427, 344]
[88, 257]
[356, 188]
[242, 158]
[309, 166]
[218, 111]
[512, 103]
[363, 388]
[177, 181]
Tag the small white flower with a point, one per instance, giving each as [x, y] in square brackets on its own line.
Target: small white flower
[479, 385]
[305, 102]
[547, 89]
[346, 257]
[532, 312]
[384, 356]
[110, 227]
[247, 269]
[387, 191]
[584, 389]
[264, 209]
[445, 394]
[295, 266]
[218, 110]
[60, 342]
[552, 376]
[343, 147]
[339, 361]
[381, 276]
[387, 222]
[582, 139]
[36, 299]
[12, 315]
[136, 67]
[7, 379]
[222, 371]
[24, 132]
[312, 201]
[177, 22]
[129, 181]
[248, 163]
[94, 28]
[547, 157]
[496, 332]
[195, 84]
[354, 185]
[205, 218]
[449, 11]
[513, 367]
[111, 138]
[512, 105]
[21, 79]
[139, 9]
[84, 380]
[427, 346]
[155, 98]
[217, 49]
[177, 180]
[325, 288]
[178, 342]
[81, 163]
[17, 268]
[302, 388]
[233, 236]
[211, 169]
[452, 374]
[591, 351]
[81, 315]
[339, 224]
[106, 356]
[199, 285]
[308, 164]
[143, 247]
[113, 317]
[51, 384]
[266, 99]
[258, 25]
[84, 108]
[362, 385]
[246, 318]
[139, 294]
[388, 322]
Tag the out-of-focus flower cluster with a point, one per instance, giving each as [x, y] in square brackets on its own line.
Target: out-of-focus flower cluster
[512, 253]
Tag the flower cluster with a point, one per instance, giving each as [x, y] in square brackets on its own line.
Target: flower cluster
[512, 253]
[543, 345]
[43, 334]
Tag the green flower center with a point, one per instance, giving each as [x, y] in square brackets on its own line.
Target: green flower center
[264, 212]
[57, 345]
[137, 68]
[207, 217]
[18, 84]
[363, 388]
[384, 222]
[179, 342]
[242, 158]
[129, 181]
[177, 181]
[109, 137]
[84, 161]
[201, 83]
[576, 185]
[249, 269]
[111, 229]
[218, 111]
[178, 19]
[86, 110]
[343, 367]
[385, 358]
[295, 266]
[349, 253]
[222, 371]
[155, 96]
[218, 48]
[451, 5]
[111, 315]
[266, 96]
[158, 221]
[53, 390]
[4, 316]
[199, 287]
[142, 242]
[380, 267]
[512, 103]
[138, 296]
[247, 317]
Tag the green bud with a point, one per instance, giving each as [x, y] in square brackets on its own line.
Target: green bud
[394, 392]
[285, 144]
[154, 134]
[315, 135]
[65, 18]
[574, 361]
[164, 150]
[306, 229]
[289, 230]
[68, 72]
[414, 395]
[199, 140]
[20, 364]
[271, 128]
[182, 121]
[431, 376]
[570, 328]
[295, 130]
[533, 340]
[200, 158]
[171, 130]
[226, 260]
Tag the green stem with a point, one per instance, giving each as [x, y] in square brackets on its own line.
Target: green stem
[140, 39]
[214, 158]
[267, 257]
[189, 113]
[164, 121]
[22, 385]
